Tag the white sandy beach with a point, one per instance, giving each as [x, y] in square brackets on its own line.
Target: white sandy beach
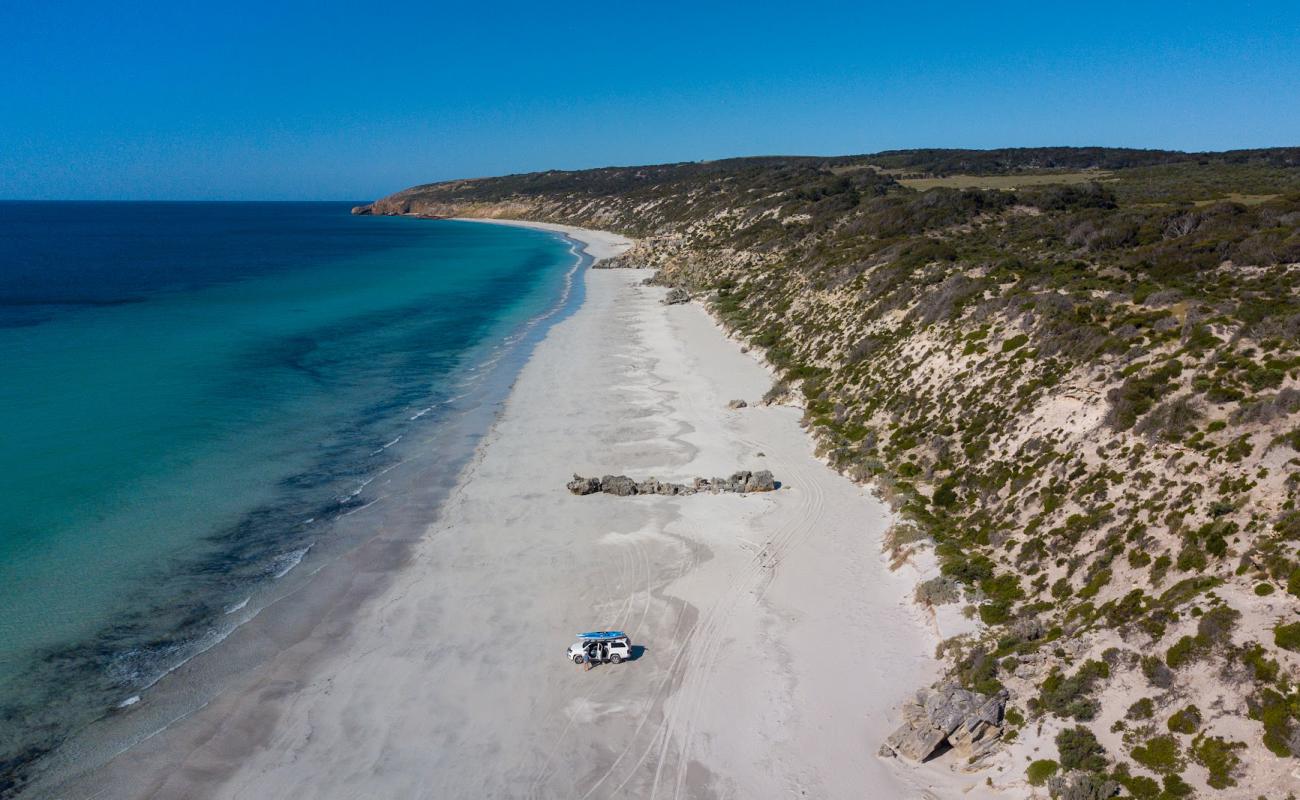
[777, 645]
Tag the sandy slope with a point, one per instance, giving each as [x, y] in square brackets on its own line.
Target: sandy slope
[776, 643]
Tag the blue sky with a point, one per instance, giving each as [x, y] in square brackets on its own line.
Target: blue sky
[326, 100]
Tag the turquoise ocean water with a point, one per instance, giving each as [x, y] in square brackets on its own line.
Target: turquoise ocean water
[202, 403]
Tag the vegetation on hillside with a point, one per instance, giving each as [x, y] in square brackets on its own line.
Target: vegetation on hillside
[1085, 395]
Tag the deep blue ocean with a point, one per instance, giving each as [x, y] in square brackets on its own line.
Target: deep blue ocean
[201, 403]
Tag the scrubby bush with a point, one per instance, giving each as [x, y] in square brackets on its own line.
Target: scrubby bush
[1275, 712]
[1068, 696]
[1039, 771]
[1176, 787]
[1138, 393]
[1157, 674]
[776, 393]
[1079, 749]
[1159, 754]
[978, 671]
[1214, 629]
[1182, 652]
[1140, 786]
[1171, 420]
[1220, 759]
[1287, 637]
[1142, 709]
[1015, 342]
[1082, 786]
[938, 591]
[1185, 720]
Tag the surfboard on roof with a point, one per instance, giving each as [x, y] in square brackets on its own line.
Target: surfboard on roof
[602, 635]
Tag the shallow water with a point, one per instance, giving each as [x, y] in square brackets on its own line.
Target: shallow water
[203, 402]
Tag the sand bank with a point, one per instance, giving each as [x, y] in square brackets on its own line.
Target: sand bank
[774, 642]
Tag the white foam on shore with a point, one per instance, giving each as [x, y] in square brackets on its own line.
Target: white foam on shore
[237, 606]
[130, 701]
[284, 564]
[384, 447]
[350, 512]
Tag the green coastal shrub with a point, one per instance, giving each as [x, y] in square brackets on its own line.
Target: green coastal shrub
[1275, 712]
[1161, 566]
[1287, 637]
[1214, 629]
[1182, 652]
[1139, 786]
[978, 672]
[1142, 709]
[938, 591]
[1220, 759]
[1263, 669]
[1186, 720]
[1175, 786]
[1160, 754]
[1082, 786]
[1157, 674]
[1039, 771]
[1068, 696]
[1078, 748]
[1095, 584]
[1015, 342]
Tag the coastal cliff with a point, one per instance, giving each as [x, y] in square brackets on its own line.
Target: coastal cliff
[1076, 375]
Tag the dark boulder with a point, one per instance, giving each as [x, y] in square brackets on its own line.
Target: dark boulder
[618, 485]
[677, 296]
[761, 481]
[740, 482]
[580, 485]
[969, 722]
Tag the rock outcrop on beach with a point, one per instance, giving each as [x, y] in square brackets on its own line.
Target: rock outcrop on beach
[946, 717]
[676, 296]
[741, 482]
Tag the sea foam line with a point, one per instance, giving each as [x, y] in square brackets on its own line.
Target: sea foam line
[382, 448]
[284, 564]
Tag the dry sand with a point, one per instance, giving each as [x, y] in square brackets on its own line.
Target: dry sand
[776, 643]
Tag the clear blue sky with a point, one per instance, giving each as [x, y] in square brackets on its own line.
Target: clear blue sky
[328, 100]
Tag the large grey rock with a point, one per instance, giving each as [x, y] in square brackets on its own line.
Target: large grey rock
[677, 296]
[648, 486]
[951, 706]
[619, 485]
[973, 741]
[969, 722]
[622, 486]
[915, 743]
[738, 481]
[761, 481]
[580, 485]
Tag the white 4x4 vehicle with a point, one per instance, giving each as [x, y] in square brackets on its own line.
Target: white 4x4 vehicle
[599, 646]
